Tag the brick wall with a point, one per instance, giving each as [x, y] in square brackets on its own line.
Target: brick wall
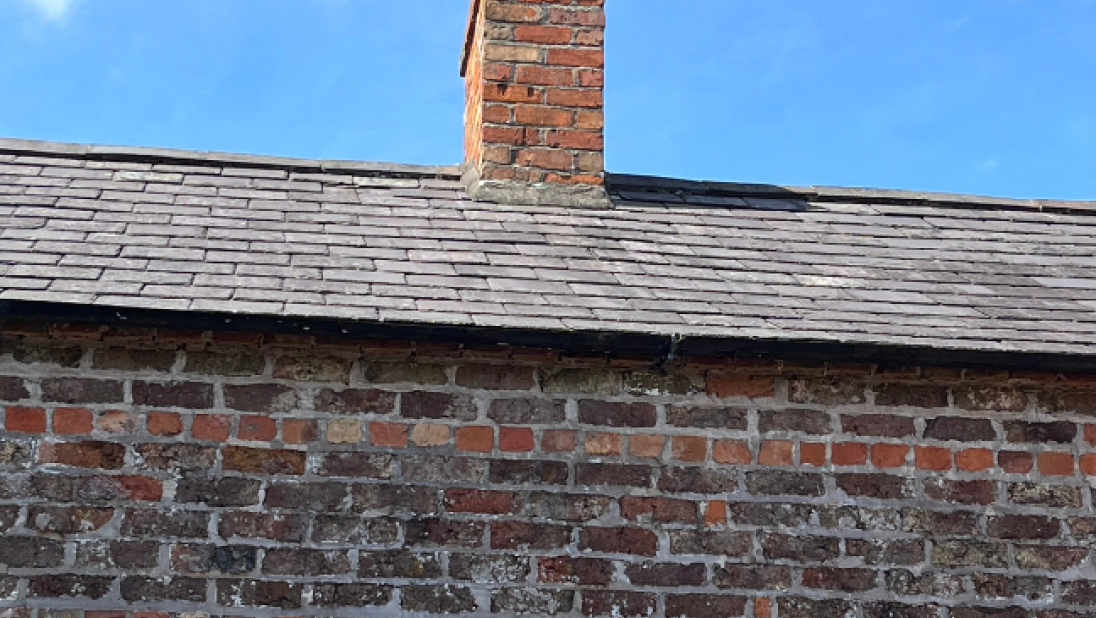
[146, 473]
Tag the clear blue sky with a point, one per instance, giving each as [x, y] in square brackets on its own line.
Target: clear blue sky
[972, 96]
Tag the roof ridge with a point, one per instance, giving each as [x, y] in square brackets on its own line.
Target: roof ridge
[634, 186]
[630, 186]
[172, 155]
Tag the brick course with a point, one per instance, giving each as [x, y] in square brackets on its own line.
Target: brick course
[330, 479]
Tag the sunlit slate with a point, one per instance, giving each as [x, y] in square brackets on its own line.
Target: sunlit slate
[203, 232]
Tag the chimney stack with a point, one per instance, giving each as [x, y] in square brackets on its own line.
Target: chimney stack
[533, 115]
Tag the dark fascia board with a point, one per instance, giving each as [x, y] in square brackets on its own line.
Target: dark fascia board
[143, 154]
[660, 347]
[469, 37]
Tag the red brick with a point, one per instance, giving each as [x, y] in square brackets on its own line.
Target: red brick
[661, 510]
[211, 427]
[558, 440]
[846, 580]
[689, 448]
[889, 455]
[1090, 434]
[511, 13]
[568, 570]
[118, 421]
[86, 454]
[932, 458]
[477, 439]
[539, 116]
[763, 607]
[1087, 464]
[263, 461]
[504, 135]
[715, 513]
[551, 35]
[493, 172]
[636, 541]
[974, 459]
[578, 17]
[575, 139]
[427, 434]
[299, 431]
[544, 76]
[732, 452]
[26, 420]
[546, 158]
[573, 179]
[613, 474]
[589, 119]
[646, 445]
[479, 501]
[880, 425]
[515, 439]
[591, 78]
[775, 453]
[849, 453]
[122, 488]
[497, 71]
[616, 414]
[165, 424]
[496, 113]
[576, 97]
[1056, 463]
[72, 421]
[522, 535]
[388, 434]
[512, 93]
[812, 453]
[1015, 462]
[738, 385]
[620, 603]
[562, 56]
[262, 428]
[497, 154]
[958, 428]
[604, 443]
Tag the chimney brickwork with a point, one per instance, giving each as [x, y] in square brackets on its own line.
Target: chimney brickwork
[534, 116]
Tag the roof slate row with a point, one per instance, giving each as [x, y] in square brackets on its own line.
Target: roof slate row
[145, 228]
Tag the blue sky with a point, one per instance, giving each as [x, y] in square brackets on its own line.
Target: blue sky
[972, 96]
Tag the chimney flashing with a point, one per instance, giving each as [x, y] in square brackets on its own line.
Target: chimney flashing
[535, 194]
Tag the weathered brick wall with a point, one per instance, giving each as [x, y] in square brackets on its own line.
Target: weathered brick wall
[145, 471]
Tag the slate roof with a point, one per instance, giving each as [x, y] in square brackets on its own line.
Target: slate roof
[186, 231]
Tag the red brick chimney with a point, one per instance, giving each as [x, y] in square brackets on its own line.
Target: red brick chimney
[533, 116]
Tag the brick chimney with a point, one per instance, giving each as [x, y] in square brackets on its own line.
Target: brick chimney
[533, 115]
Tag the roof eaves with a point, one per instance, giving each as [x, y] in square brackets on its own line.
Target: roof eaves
[665, 344]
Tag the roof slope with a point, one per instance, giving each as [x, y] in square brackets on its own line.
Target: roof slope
[145, 228]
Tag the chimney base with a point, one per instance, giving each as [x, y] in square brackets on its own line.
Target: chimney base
[535, 194]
